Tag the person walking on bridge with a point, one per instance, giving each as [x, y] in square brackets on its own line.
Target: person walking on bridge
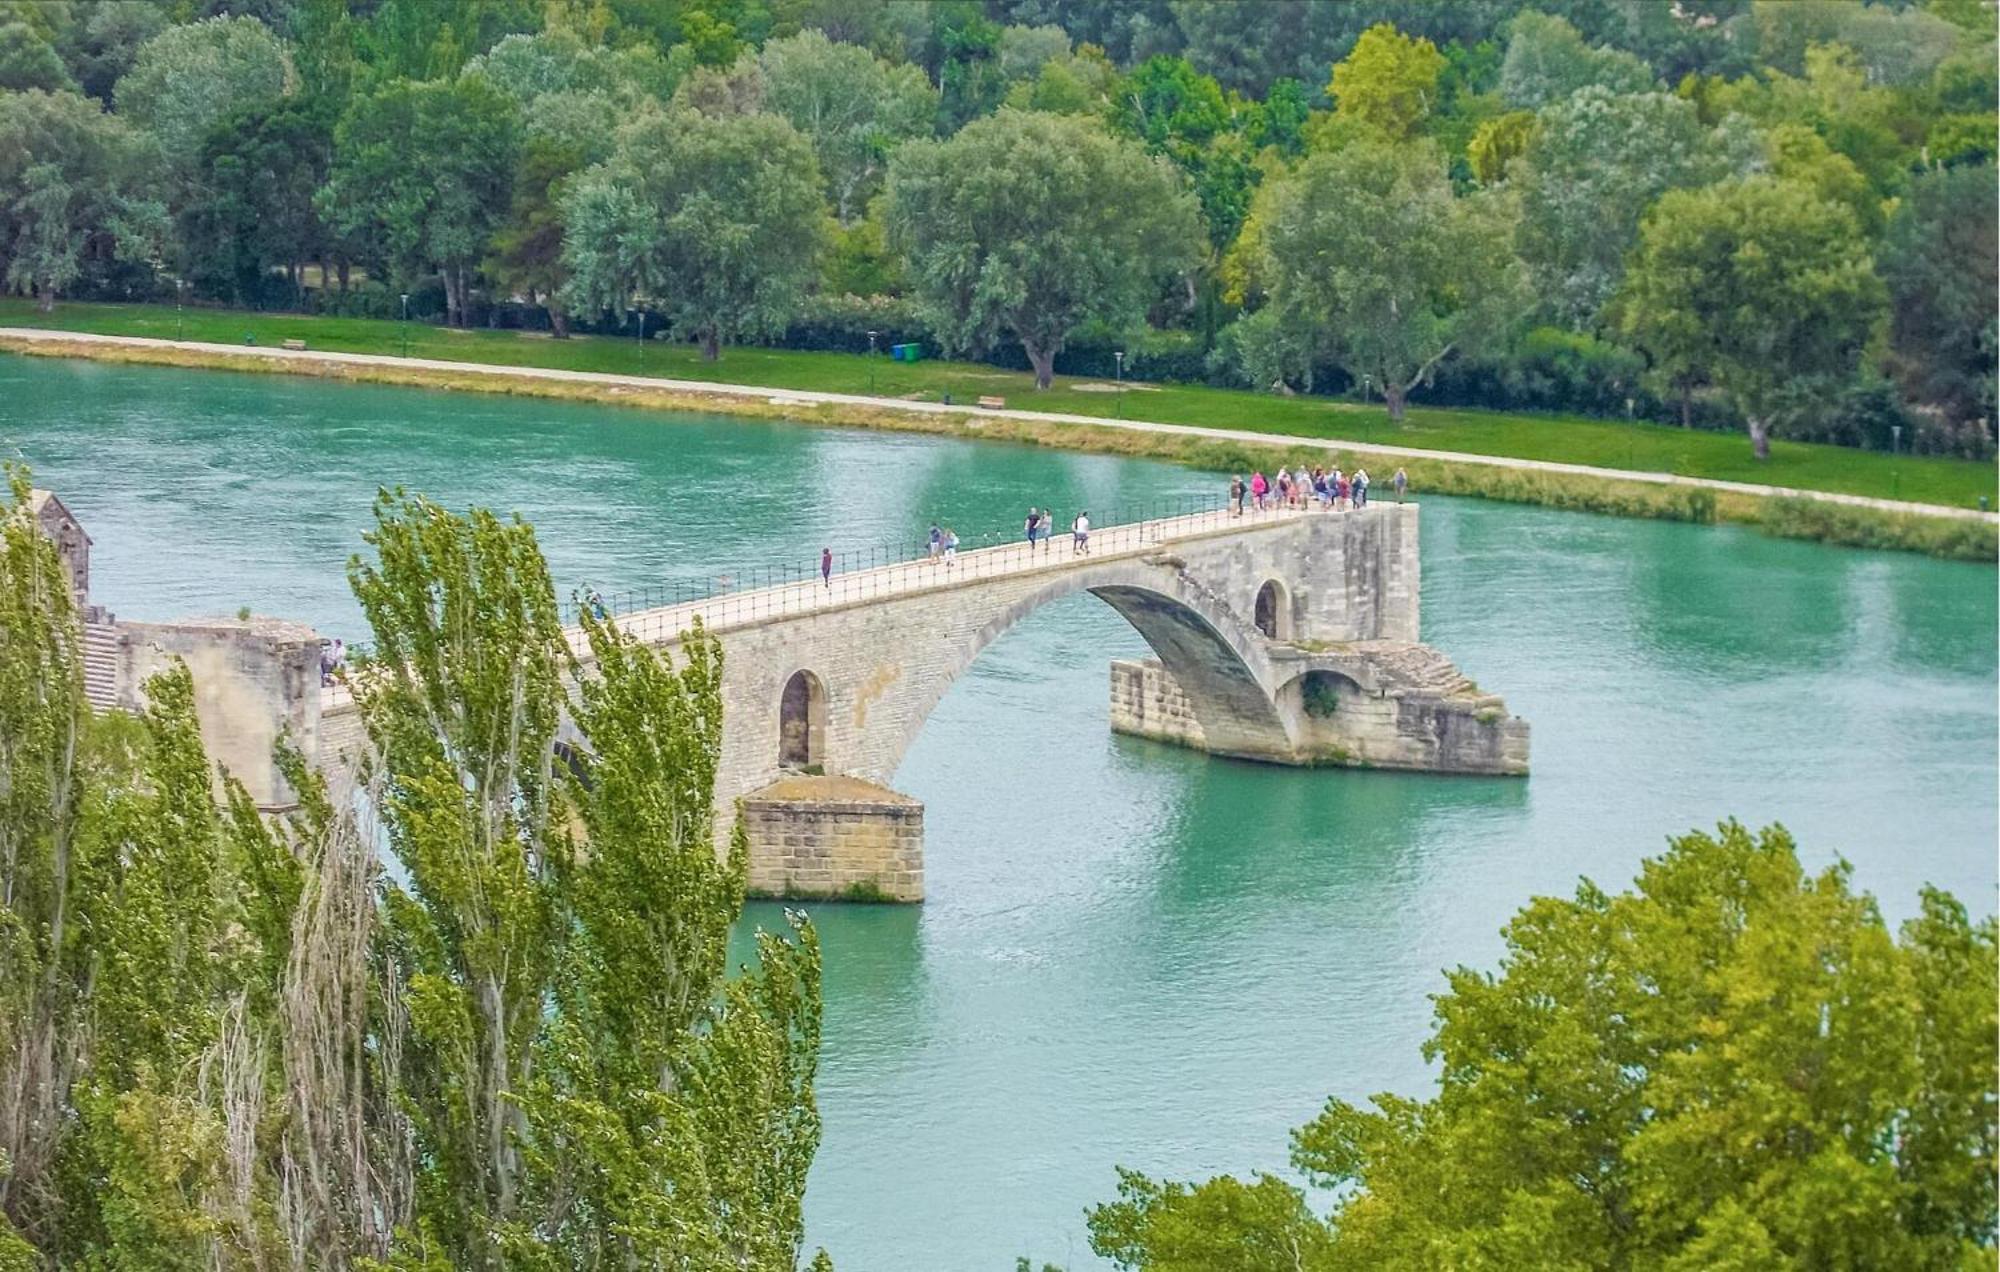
[1080, 534]
[1361, 488]
[1034, 526]
[1259, 487]
[937, 541]
[1401, 482]
[826, 568]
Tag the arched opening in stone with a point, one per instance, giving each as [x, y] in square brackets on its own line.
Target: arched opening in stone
[1274, 611]
[802, 722]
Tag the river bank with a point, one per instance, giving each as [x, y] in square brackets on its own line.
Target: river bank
[1817, 515]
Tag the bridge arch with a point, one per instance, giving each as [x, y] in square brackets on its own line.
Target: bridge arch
[1218, 659]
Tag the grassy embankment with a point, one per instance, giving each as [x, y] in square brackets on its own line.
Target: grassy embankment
[1600, 443]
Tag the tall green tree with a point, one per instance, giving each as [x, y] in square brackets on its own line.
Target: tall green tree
[853, 107]
[1765, 284]
[187, 79]
[422, 174]
[257, 175]
[1369, 255]
[1589, 169]
[1388, 85]
[1027, 226]
[1735, 1064]
[77, 190]
[1547, 60]
[714, 222]
[232, 1041]
[1938, 260]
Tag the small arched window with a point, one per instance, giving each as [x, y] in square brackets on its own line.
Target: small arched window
[802, 722]
[1274, 611]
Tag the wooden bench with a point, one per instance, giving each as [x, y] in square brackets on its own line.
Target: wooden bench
[994, 403]
[296, 345]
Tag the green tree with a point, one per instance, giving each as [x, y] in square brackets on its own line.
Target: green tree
[1368, 252]
[1497, 143]
[1547, 60]
[233, 1041]
[189, 78]
[1388, 86]
[853, 107]
[423, 173]
[1938, 259]
[100, 46]
[76, 190]
[717, 223]
[1029, 225]
[528, 247]
[29, 61]
[257, 174]
[1735, 1064]
[1592, 165]
[1768, 286]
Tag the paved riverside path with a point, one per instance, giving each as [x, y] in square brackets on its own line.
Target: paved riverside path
[802, 397]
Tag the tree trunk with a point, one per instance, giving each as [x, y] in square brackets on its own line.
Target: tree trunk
[1044, 363]
[1392, 397]
[1687, 405]
[711, 345]
[45, 300]
[558, 322]
[1760, 437]
[344, 267]
[450, 299]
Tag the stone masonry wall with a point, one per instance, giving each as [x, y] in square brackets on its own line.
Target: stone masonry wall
[859, 848]
[1146, 703]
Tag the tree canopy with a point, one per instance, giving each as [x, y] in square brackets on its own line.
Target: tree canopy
[478, 1019]
[1029, 225]
[1764, 284]
[1734, 1064]
[715, 223]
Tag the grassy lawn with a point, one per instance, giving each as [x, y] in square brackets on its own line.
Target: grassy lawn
[1603, 443]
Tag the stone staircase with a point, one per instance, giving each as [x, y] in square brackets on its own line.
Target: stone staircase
[100, 665]
[1413, 668]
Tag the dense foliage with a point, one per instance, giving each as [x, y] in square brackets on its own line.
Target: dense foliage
[1734, 1065]
[476, 1019]
[565, 163]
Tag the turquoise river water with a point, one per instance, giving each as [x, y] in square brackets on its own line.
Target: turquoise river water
[1131, 954]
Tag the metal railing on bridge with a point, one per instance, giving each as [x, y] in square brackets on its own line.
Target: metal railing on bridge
[749, 595]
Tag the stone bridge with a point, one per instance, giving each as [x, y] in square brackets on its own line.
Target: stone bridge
[1280, 636]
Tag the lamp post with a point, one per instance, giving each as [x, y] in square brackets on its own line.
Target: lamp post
[406, 324]
[180, 328]
[871, 363]
[1895, 439]
[1118, 358]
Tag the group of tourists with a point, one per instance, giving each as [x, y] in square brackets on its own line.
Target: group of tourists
[944, 544]
[1328, 488]
[1041, 526]
[332, 660]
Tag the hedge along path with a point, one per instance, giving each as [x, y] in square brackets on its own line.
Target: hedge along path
[1826, 516]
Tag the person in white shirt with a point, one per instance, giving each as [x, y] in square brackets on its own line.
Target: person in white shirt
[1080, 534]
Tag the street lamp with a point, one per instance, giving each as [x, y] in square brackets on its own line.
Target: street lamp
[871, 363]
[406, 324]
[1895, 439]
[1119, 359]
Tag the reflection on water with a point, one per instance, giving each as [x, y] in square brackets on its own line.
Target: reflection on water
[1131, 954]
